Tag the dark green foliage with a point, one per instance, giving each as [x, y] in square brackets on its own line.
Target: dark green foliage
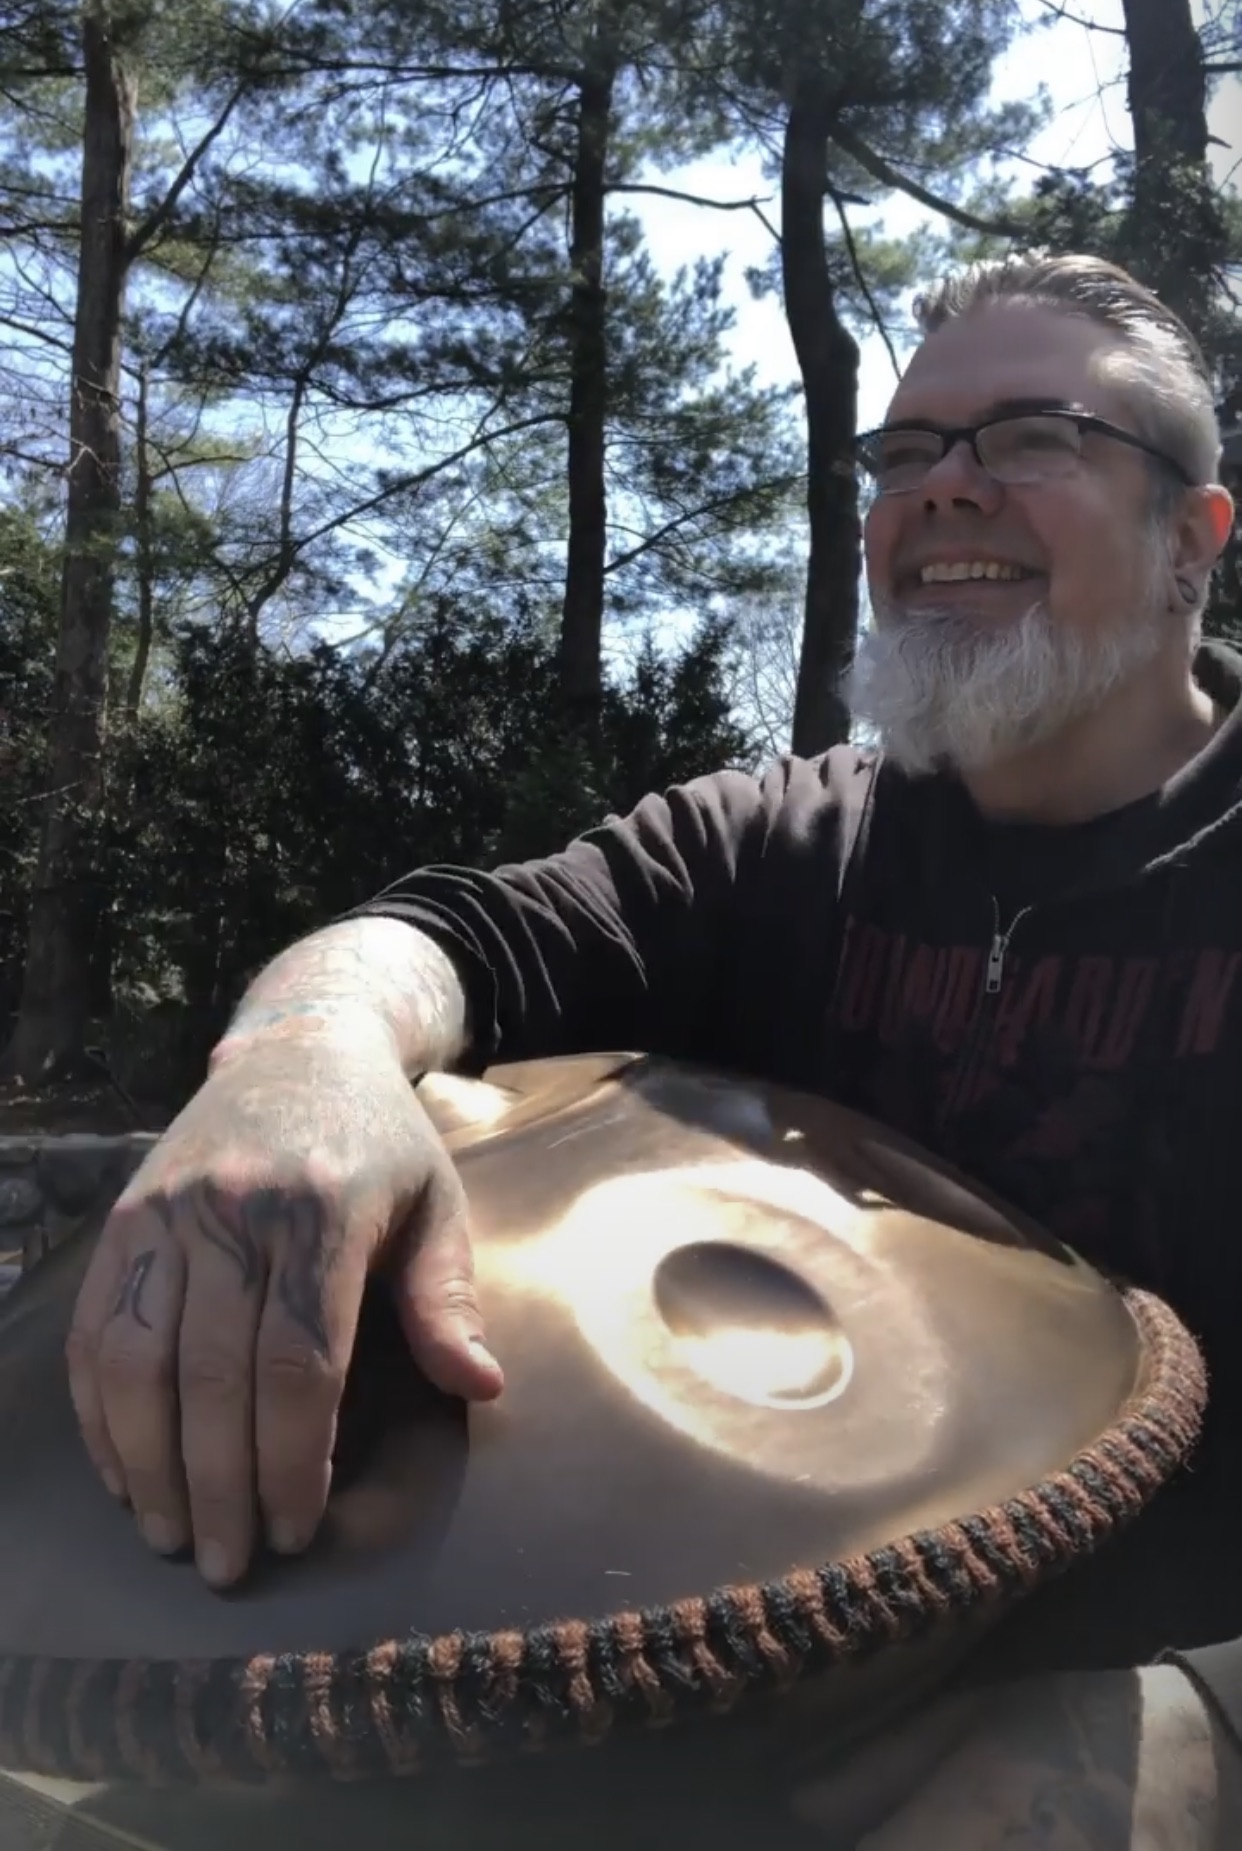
[268, 792]
[29, 594]
[353, 338]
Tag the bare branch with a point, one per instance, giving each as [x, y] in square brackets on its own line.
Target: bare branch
[403, 484]
[31, 331]
[35, 462]
[397, 72]
[39, 73]
[156, 219]
[1055, 10]
[880, 170]
[693, 514]
[694, 199]
[29, 227]
[877, 319]
[178, 330]
[765, 221]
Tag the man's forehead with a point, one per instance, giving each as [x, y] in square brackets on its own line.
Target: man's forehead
[1006, 358]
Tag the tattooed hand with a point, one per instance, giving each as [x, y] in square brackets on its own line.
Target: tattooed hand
[1086, 1761]
[215, 1325]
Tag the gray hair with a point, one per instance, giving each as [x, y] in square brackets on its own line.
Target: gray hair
[1159, 362]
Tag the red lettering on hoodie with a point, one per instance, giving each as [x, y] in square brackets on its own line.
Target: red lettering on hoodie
[1134, 993]
[1203, 1018]
[1028, 1002]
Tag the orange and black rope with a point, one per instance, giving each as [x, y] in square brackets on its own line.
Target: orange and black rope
[406, 1705]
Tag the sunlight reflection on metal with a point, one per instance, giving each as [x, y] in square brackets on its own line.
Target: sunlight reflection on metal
[722, 1344]
[786, 1265]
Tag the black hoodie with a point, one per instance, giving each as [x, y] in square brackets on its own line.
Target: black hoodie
[1055, 1010]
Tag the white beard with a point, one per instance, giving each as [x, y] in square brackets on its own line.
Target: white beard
[946, 689]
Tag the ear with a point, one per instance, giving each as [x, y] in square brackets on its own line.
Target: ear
[1202, 528]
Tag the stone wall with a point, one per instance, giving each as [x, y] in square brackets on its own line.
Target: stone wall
[49, 1186]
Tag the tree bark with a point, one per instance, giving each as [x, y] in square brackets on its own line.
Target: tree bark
[582, 611]
[1178, 227]
[54, 1011]
[1179, 233]
[144, 548]
[1167, 87]
[827, 357]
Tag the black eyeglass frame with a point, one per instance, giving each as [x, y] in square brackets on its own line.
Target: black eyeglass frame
[1083, 421]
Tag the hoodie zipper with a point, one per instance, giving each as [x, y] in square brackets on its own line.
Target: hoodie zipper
[999, 948]
[993, 979]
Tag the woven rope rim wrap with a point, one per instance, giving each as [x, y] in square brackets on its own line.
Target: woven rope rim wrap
[410, 1704]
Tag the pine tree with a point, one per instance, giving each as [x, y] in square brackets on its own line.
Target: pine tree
[1161, 214]
[848, 102]
[90, 64]
[660, 448]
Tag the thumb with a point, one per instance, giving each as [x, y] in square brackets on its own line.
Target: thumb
[435, 1293]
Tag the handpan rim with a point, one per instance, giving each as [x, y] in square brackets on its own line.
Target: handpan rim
[400, 1706]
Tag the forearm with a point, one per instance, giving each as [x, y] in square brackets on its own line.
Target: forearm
[359, 978]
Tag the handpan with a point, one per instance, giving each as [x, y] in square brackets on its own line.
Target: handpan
[790, 1407]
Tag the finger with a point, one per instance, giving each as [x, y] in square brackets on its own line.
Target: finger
[227, 1278]
[306, 1338]
[96, 1302]
[435, 1292]
[138, 1390]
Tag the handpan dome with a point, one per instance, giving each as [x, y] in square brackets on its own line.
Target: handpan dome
[784, 1397]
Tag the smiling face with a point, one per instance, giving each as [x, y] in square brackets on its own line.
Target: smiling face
[1005, 612]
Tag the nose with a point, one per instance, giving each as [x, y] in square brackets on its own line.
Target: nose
[960, 480]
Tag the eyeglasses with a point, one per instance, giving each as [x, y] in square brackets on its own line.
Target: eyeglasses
[1038, 446]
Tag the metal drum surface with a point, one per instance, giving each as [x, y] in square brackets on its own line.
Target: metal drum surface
[787, 1403]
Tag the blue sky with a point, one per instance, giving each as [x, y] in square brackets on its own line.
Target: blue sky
[1083, 72]
[1084, 75]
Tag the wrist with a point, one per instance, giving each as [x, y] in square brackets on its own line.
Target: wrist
[344, 1025]
[368, 981]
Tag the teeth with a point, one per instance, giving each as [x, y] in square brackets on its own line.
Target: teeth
[965, 569]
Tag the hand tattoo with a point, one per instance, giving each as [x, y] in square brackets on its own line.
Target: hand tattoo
[297, 1014]
[129, 1298]
[267, 1220]
[300, 1287]
[229, 1227]
[377, 967]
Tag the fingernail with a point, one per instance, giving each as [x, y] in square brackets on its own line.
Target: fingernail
[482, 1353]
[213, 1563]
[114, 1482]
[285, 1537]
[160, 1533]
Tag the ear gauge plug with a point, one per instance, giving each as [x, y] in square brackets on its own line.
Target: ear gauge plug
[1189, 591]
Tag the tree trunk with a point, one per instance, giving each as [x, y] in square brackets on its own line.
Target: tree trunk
[144, 548]
[54, 1011]
[828, 361]
[582, 613]
[1179, 234]
[1168, 88]
[1179, 228]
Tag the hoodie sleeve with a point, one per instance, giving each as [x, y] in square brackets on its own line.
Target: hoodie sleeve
[612, 943]
[634, 935]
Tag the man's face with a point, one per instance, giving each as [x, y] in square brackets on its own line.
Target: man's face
[969, 670]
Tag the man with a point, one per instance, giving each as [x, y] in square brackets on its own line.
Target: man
[1015, 936]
